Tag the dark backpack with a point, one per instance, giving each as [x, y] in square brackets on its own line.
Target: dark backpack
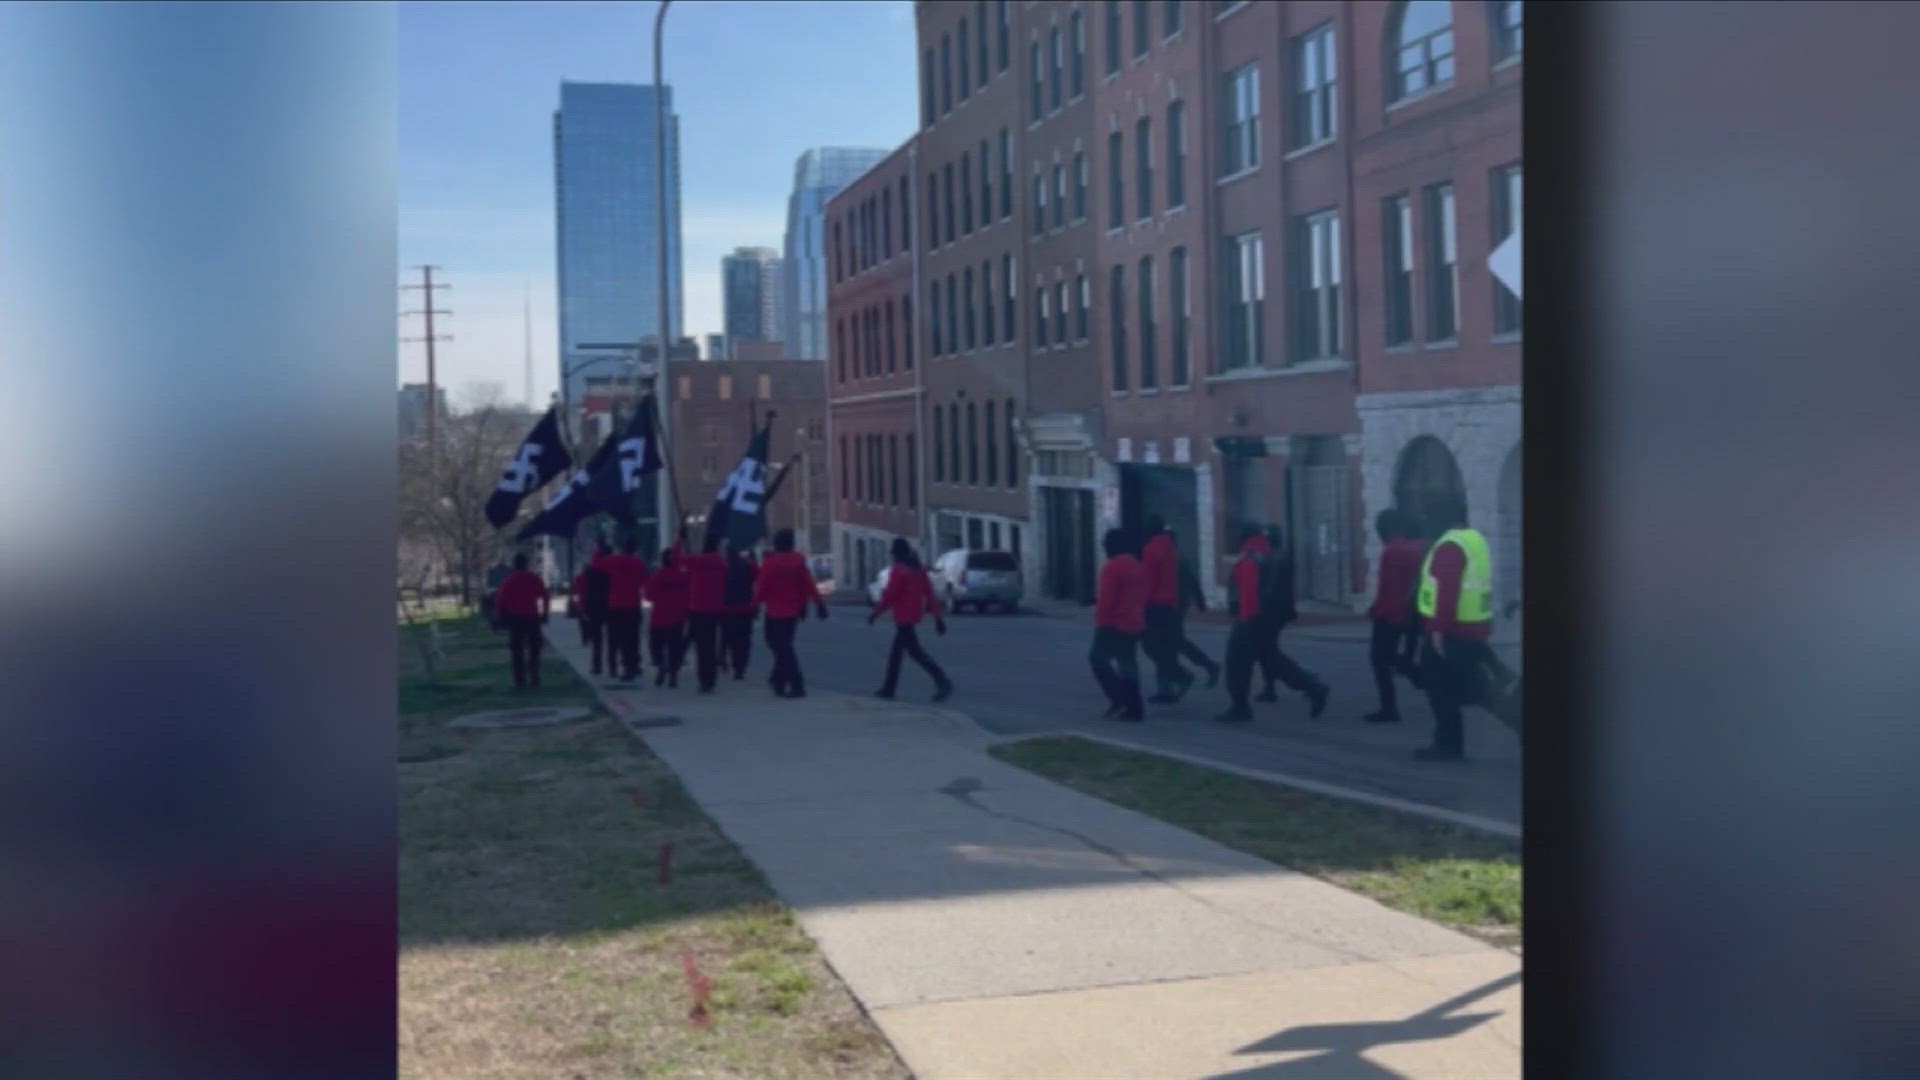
[594, 589]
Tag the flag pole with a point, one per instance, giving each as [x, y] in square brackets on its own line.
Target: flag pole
[669, 533]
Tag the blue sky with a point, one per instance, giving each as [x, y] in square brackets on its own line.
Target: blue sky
[755, 82]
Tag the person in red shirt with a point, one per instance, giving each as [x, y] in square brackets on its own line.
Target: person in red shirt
[737, 613]
[909, 596]
[785, 587]
[1246, 641]
[1119, 619]
[626, 578]
[706, 599]
[1395, 626]
[1169, 586]
[666, 595]
[522, 604]
[577, 605]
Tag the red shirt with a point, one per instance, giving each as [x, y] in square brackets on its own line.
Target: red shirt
[523, 594]
[626, 575]
[706, 583]
[909, 595]
[1162, 565]
[667, 591]
[785, 585]
[580, 591]
[1399, 577]
[1121, 600]
[1246, 577]
[1449, 566]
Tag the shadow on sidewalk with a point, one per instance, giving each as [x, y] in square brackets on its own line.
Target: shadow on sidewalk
[1342, 1046]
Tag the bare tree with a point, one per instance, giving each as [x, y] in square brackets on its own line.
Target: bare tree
[444, 491]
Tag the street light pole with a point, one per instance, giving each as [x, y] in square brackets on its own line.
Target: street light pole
[666, 512]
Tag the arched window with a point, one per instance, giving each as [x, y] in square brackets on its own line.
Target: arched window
[1420, 48]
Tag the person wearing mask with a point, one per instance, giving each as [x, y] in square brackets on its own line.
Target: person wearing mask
[521, 605]
[1119, 618]
[592, 585]
[666, 595]
[784, 588]
[909, 596]
[706, 600]
[1455, 602]
[1276, 611]
[1395, 635]
[736, 615]
[626, 578]
[495, 577]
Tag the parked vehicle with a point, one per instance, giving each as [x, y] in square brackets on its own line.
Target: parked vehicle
[965, 578]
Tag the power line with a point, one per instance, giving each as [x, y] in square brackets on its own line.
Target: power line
[427, 288]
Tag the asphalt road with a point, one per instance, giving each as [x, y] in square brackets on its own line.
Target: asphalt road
[1028, 672]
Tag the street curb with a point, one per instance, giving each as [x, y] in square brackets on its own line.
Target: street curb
[1433, 813]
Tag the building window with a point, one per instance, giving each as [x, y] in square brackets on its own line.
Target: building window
[1243, 478]
[1059, 196]
[845, 490]
[939, 445]
[993, 445]
[886, 223]
[1313, 117]
[1143, 168]
[1506, 29]
[1080, 313]
[973, 444]
[839, 347]
[1079, 186]
[1040, 318]
[953, 313]
[906, 329]
[1113, 36]
[1177, 308]
[877, 484]
[946, 185]
[913, 472]
[1396, 227]
[946, 75]
[1056, 62]
[763, 388]
[1116, 200]
[893, 353]
[1176, 155]
[1149, 331]
[1013, 454]
[953, 443]
[686, 384]
[1506, 222]
[1077, 67]
[933, 325]
[926, 89]
[837, 275]
[1140, 22]
[893, 465]
[986, 304]
[1117, 321]
[1423, 48]
[1316, 291]
[1244, 289]
[971, 326]
[933, 210]
[1060, 312]
[1036, 87]
[1240, 110]
[966, 194]
[726, 388]
[1170, 17]
[986, 186]
[1006, 174]
[1442, 291]
[966, 70]
[1003, 28]
[1010, 318]
[1039, 204]
[980, 23]
[906, 218]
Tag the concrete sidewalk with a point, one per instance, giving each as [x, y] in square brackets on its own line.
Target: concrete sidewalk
[999, 925]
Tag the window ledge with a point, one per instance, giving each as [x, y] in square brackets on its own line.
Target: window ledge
[1507, 337]
[1241, 175]
[1510, 62]
[1173, 211]
[1310, 367]
[1304, 151]
[1443, 343]
[1148, 391]
[1218, 15]
[1415, 99]
[1407, 348]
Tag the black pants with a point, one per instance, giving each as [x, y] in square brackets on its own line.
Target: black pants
[787, 678]
[1276, 665]
[593, 634]
[736, 641]
[623, 633]
[706, 647]
[906, 642]
[1388, 653]
[1454, 680]
[1244, 644]
[1161, 642]
[1116, 670]
[524, 640]
[667, 645]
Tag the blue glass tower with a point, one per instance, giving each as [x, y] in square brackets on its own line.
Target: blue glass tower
[819, 175]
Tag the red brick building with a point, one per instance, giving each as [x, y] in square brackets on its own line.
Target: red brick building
[713, 404]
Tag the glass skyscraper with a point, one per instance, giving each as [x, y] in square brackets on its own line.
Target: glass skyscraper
[607, 180]
[817, 176]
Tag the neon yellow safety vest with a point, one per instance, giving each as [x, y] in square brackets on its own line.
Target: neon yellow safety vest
[1476, 584]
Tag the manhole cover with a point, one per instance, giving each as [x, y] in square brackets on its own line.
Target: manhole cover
[521, 718]
[654, 722]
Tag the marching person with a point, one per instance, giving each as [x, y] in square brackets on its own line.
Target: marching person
[1244, 641]
[489, 603]
[1192, 596]
[521, 605]
[1455, 603]
[786, 586]
[1170, 587]
[626, 577]
[577, 604]
[1395, 635]
[666, 595]
[736, 616]
[706, 598]
[591, 595]
[1277, 610]
[909, 596]
[1119, 618]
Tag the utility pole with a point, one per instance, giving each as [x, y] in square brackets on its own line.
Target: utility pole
[427, 288]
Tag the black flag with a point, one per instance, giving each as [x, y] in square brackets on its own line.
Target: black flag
[739, 512]
[614, 482]
[571, 504]
[541, 457]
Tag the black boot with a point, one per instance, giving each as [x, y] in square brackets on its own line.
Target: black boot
[1317, 700]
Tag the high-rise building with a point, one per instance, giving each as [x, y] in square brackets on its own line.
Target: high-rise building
[716, 346]
[817, 176]
[750, 286]
[607, 183]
